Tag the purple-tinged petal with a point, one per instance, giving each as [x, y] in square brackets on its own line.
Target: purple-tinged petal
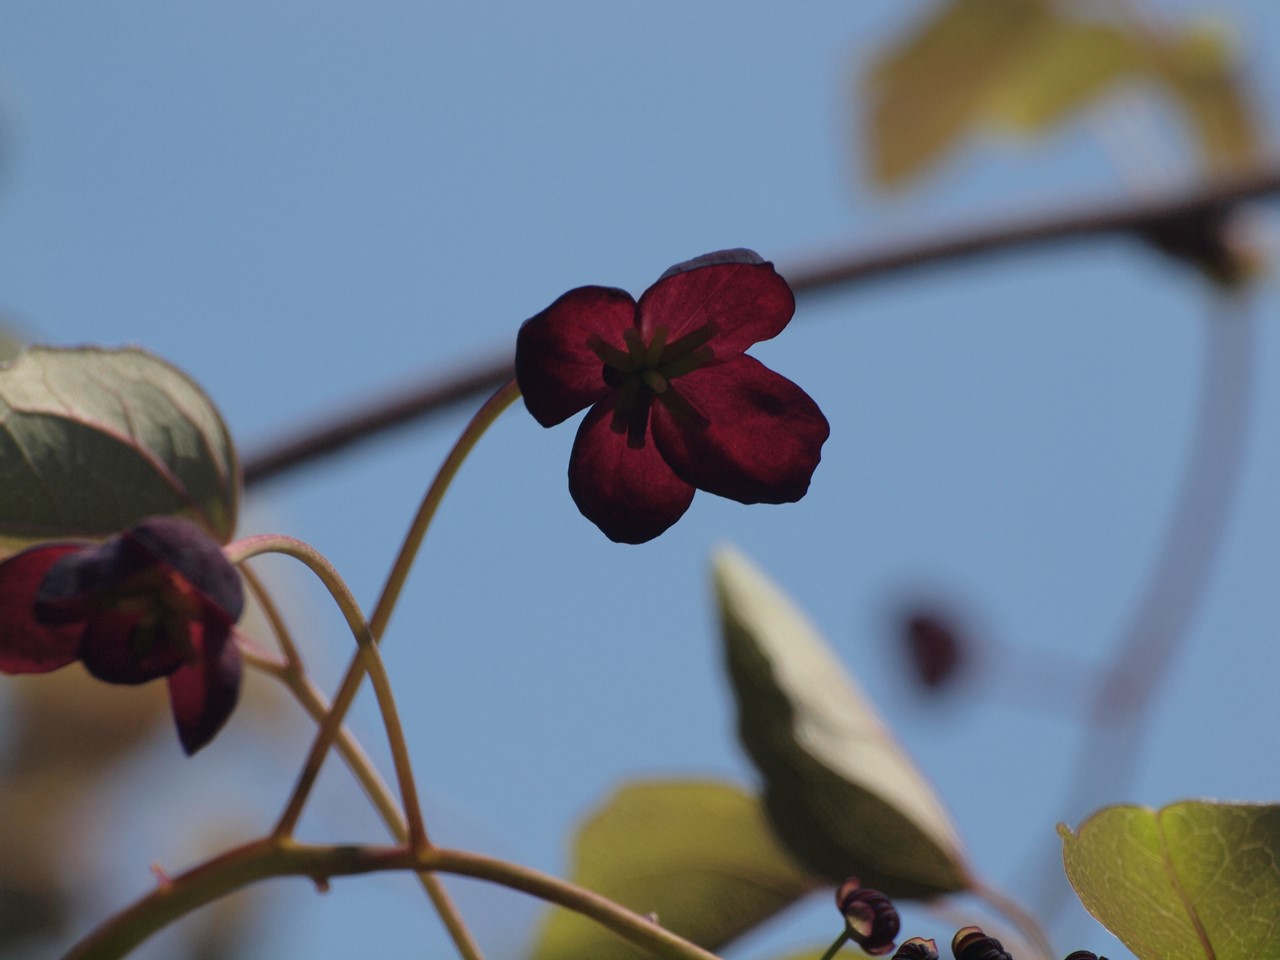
[69, 589]
[740, 295]
[202, 694]
[27, 645]
[764, 439]
[558, 372]
[187, 549]
[116, 648]
[629, 493]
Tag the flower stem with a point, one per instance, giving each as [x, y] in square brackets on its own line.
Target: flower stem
[294, 677]
[483, 419]
[835, 947]
[277, 856]
[370, 660]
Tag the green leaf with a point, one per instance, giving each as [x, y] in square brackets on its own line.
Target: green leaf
[1067, 65]
[930, 90]
[699, 855]
[840, 793]
[1200, 70]
[1192, 881]
[94, 440]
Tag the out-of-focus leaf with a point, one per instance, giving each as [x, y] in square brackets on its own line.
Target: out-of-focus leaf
[1202, 73]
[930, 90]
[1191, 881]
[1067, 64]
[10, 344]
[94, 440]
[698, 855]
[839, 790]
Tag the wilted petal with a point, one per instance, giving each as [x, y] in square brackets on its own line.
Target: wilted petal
[27, 645]
[187, 549]
[629, 493]
[558, 372]
[113, 649]
[764, 440]
[735, 290]
[203, 694]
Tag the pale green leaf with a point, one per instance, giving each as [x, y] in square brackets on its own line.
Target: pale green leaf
[699, 856]
[94, 440]
[839, 790]
[1062, 69]
[1192, 881]
[929, 91]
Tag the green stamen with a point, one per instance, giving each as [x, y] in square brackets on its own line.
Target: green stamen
[610, 355]
[653, 356]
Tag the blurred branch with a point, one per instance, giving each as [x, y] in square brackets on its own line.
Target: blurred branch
[1174, 214]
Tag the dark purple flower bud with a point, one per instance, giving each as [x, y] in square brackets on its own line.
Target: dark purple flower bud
[934, 646]
[159, 600]
[870, 916]
[1083, 955]
[970, 943]
[917, 948]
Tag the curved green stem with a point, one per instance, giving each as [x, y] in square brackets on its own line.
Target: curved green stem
[369, 658]
[483, 419]
[292, 673]
[277, 856]
[832, 950]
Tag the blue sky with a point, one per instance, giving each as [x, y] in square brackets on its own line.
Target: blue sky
[305, 204]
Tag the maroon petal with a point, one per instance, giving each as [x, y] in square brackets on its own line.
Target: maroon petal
[68, 589]
[736, 291]
[629, 493]
[558, 372]
[765, 435]
[27, 645]
[186, 548]
[113, 649]
[203, 694]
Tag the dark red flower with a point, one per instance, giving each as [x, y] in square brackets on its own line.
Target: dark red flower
[159, 600]
[675, 403]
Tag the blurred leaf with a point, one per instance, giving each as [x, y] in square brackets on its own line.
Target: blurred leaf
[929, 91]
[10, 344]
[1192, 881]
[94, 440]
[839, 791]
[1064, 66]
[1201, 72]
[699, 855]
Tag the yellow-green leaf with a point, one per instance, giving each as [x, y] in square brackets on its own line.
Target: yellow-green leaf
[697, 855]
[1191, 881]
[1064, 67]
[1201, 72]
[931, 89]
[94, 440]
[840, 792]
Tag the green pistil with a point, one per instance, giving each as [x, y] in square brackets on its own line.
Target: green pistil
[610, 355]
[654, 381]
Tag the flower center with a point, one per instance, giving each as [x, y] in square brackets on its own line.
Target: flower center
[644, 371]
[164, 603]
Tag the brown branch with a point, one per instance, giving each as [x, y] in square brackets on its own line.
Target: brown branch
[1171, 215]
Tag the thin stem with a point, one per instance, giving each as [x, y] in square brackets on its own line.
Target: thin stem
[483, 419]
[832, 950]
[369, 658]
[1117, 217]
[294, 677]
[1030, 928]
[276, 856]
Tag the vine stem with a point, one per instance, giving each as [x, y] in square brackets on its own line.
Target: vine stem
[366, 655]
[832, 950]
[279, 856]
[483, 419]
[294, 677]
